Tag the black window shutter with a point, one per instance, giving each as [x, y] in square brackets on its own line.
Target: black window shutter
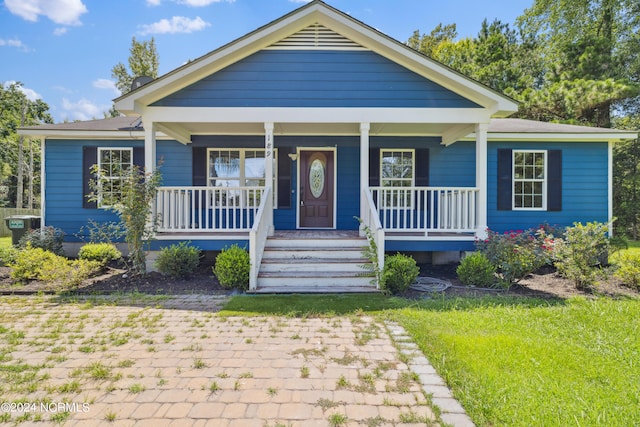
[504, 180]
[138, 157]
[374, 167]
[284, 177]
[554, 184]
[422, 167]
[199, 163]
[89, 158]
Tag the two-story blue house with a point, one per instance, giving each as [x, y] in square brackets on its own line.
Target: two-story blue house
[280, 139]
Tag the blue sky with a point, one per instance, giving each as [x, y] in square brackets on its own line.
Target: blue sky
[63, 50]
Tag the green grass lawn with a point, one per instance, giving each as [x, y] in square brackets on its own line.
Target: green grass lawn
[510, 361]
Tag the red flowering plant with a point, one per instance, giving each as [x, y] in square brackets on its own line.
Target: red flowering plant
[518, 253]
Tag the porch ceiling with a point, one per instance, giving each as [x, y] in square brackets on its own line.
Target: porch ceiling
[377, 129]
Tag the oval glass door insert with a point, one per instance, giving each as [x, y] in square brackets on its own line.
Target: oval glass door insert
[316, 178]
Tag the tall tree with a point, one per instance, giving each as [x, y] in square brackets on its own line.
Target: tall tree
[143, 61]
[588, 40]
[16, 110]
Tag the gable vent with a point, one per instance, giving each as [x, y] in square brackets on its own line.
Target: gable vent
[319, 37]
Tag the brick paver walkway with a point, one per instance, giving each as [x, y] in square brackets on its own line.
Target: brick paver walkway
[176, 363]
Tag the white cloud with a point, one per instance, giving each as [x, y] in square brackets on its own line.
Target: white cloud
[63, 12]
[153, 2]
[83, 109]
[14, 43]
[31, 94]
[60, 31]
[201, 3]
[106, 84]
[177, 24]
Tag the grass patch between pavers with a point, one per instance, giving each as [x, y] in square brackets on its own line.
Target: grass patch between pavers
[296, 305]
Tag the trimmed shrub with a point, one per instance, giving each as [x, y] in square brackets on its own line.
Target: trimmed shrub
[49, 239]
[629, 270]
[582, 253]
[232, 268]
[29, 263]
[39, 264]
[476, 270]
[178, 261]
[103, 253]
[8, 255]
[399, 273]
[69, 273]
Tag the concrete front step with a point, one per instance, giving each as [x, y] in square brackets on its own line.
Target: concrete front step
[314, 262]
[315, 289]
[304, 253]
[315, 265]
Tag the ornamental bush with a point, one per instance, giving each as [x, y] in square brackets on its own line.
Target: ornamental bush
[476, 270]
[103, 253]
[232, 268]
[8, 255]
[47, 238]
[178, 261]
[516, 254]
[629, 270]
[399, 273]
[582, 253]
[39, 264]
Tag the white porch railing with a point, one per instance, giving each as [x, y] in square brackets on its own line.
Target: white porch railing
[371, 220]
[262, 228]
[426, 209]
[210, 209]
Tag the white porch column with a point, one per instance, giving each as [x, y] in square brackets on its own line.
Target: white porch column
[268, 154]
[364, 166]
[481, 179]
[149, 146]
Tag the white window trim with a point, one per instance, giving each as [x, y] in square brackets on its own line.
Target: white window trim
[242, 178]
[410, 206]
[100, 177]
[545, 180]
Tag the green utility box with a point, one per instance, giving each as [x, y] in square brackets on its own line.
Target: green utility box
[20, 225]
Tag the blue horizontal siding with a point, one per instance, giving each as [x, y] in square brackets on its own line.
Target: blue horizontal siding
[273, 78]
[584, 186]
[63, 191]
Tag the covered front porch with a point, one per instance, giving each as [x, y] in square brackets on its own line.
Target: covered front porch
[413, 213]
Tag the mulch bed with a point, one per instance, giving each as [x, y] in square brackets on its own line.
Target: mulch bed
[543, 284]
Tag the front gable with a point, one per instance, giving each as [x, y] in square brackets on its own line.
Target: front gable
[331, 57]
[301, 77]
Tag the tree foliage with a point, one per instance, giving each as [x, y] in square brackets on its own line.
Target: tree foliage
[143, 61]
[567, 61]
[19, 156]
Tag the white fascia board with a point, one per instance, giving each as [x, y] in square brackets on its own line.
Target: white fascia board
[314, 115]
[565, 137]
[89, 135]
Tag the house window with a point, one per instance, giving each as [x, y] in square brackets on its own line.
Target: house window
[113, 164]
[238, 168]
[397, 171]
[529, 179]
